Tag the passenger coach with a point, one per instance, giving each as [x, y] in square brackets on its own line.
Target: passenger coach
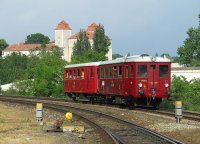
[143, 80]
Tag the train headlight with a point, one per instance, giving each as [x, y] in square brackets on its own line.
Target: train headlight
[166, 85]
[140, 84]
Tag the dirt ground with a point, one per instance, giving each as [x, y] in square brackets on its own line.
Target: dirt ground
[18, 126]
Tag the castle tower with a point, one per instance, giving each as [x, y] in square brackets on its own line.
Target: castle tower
[62, 33]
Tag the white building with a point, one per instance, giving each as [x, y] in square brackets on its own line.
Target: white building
[188, 72]
[24, 48]
[63, 38]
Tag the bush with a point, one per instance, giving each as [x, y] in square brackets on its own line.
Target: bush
[186, 91]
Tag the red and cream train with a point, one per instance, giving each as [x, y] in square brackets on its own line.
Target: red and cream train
[143, 80]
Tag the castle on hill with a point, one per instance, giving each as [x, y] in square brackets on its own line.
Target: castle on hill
[63, 38]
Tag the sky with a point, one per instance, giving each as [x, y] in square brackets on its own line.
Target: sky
[135, 26]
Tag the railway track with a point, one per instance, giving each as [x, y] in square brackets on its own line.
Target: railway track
[190, 115]
[186, 114]
[112, 129]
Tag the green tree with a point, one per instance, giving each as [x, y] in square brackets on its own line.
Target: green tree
[37, 38]
[101, 42]
[114, 56]
[46, 71]
[82, 44]
[3, 45]
[13, 68]
[81, 48]
[189, 52]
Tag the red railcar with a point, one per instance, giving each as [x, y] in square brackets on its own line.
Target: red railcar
[137, 79]
[81, 79]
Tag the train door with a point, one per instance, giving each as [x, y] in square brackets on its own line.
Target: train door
[153, 79]
[90, 80]
[126, 80]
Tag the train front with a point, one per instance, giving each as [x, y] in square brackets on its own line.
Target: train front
[153, 80]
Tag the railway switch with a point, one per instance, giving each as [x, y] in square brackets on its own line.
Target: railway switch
[178, 111]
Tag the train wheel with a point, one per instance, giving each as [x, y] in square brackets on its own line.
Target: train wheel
[91, 100]
[132, 106]
[155, 103]
[131, 103]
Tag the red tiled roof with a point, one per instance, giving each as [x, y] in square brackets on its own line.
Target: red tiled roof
[92, 27]
[63, 26]
[26, 47]
[90, 32]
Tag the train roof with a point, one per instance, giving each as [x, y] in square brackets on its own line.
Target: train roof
[82, 64]
[137, 58]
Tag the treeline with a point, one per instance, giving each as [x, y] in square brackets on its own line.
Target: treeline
[35, 75]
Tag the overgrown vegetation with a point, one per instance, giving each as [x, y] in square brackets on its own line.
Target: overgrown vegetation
[36, 75]
[186, 91]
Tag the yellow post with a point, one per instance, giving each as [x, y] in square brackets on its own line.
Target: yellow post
[178, 111]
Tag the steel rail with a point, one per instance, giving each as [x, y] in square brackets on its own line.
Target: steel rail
[190, 115]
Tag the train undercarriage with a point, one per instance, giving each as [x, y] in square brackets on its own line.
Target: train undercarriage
[128, 101]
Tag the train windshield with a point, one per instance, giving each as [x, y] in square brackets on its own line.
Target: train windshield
[142, 71]
[163, 70]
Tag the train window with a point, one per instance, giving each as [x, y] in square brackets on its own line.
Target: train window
[91, 72]
[102, 73]
[119, 71]
[74, 74]
[115, 71]
[131, 71]
[106, 72]
[163, 70]
[142, 71]
[110, 72]
[79, 74]
[70, 74]
[126, 71]
[98, 73]
[152, 67]
[66, 74]
[82, 73]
